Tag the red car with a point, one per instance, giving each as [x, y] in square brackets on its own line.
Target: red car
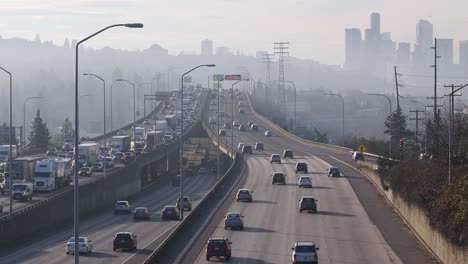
[218, 247]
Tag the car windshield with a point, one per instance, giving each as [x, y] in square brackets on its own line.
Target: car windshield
[305, 248]
[123, 236]
[81, 239]
[244, 192]
[169, 208]
[18, 187]
[140, 210]
[217, 242]
[308, 200]
[121, 203]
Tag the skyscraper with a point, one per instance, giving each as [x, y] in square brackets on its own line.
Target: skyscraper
[375, 25]
[445, 51]
[464, 54]
[403, 53]
[207, 47]
[424, 34]
[352, 47]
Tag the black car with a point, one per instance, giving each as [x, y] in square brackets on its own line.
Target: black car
[334, 172]
[125, 240]
[302, 167]
[170, 212]
[258, 146]
[279, 177]
[247, 149]
[308, 203]
[287, 153]
[141, 213]
[358, 156]
[97, 167]
[86, 171]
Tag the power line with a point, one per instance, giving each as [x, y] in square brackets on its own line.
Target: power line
[281, 48]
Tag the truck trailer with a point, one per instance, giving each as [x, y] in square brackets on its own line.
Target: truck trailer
[88, 153]
[5, 152]
[50, 175]
[120, 144]
[153, 140]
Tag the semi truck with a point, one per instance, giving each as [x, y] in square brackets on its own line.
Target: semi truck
[160, 125]
[120, 144]
[22, 169]
[139, 133]
[171, 121]
[50, 175]
[88, 152]
[153, 140]
[5, 152]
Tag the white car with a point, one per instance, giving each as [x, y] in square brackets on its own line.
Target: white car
[304, 181]
[240, 146]
[236, 123]
[268, 133]
[86, 245]
[304, 252]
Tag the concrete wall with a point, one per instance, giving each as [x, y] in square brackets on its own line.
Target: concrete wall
[416, 218]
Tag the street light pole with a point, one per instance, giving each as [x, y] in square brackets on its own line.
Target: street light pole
[181, 143]
[24, 119]
[391, 123]
[333, 94]
[76, 185]
[134, 107]
[10, 177]
[104, 103]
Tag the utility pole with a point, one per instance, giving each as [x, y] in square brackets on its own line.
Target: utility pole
[417, 124]
[397, 85]
[267, 58]
[435, 81]
[281, 48]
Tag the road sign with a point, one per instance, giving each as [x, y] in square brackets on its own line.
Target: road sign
[231, 77]
[361, 149]
[218, 77]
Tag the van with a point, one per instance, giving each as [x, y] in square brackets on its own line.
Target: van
[22, 191]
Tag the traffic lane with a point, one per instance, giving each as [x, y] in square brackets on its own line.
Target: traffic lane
[102, 228]
[273, 223]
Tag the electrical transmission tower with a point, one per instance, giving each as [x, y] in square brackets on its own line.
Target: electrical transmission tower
[281, 48]
[267, 58]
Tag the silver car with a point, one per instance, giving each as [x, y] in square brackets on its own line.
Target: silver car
[304, 252]
[122, 207]
[244, 195]
[233, 220]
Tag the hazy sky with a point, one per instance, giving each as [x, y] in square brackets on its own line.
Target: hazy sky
[315, 27]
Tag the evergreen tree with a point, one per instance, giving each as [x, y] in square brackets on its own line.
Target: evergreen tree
[396, 129]
[67, 131]
[39, 135]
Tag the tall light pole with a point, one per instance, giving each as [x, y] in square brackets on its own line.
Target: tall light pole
[134, 106]
[24, 118]
[76, 188]
[181, 143]
[104, 115]
[342, 101]
[10, 177]
[294, 125]
[391, 123]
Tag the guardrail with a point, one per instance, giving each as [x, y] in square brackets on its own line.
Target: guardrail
[304, 141]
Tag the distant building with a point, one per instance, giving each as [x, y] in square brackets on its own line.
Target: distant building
[386, 36]
[464, 54]
[223, 51]
[375, 26]
[424, 40]
[207, 47]
[445, 51]
[353, 41]
[259, 54]
[403, 55]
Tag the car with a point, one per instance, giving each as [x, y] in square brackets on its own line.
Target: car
[308, 203]
[249, 123]
[97, 167]
[86, 171]
[235, 123]
[218, 247]
[170, 212]
[188, 172]
[254, 127]
[305, 181]
[278, 177]
[233, 220]
[247, 149]
[227, 125]
[147, 122]
[176, 180]
[241, 111]
[334, 172]
[244, 195]
[119, 157]
[301, 167]
[268, 133]
[287, 153]
[202, 171]
[122, 207]
[304, 252]
[121, 133]
[242, 128]
[125, 240]
[129, 156]
[358, 156]
[141, 213]
[258, 146]
[108, 162]
[275, 158]
[222, 132]
[51, 152]
[240, 145]
[70, 154]
[138, 151]
[186, 204]
[86, 245]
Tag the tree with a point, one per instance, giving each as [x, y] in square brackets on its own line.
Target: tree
[396, 128]
[39, 135]
[67, 131]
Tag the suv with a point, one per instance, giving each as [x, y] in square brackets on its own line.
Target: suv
[170, 212]
[125, 240]
[258, 146]
[308, 203]
[287, 153]
[275, 158]
[244, 195]
[301, 167]
[247, 149]
[305, 181]
[186, 204]
[333, 172]
[233, 220]
[304, 252]
[218, 247]
[122, 207]
[358, 156]
[279, 177]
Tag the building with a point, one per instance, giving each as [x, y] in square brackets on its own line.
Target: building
[423, 54]
[259, 54]
[403, 55]
[464, 54]
[223, 51]
[445, 51]
[375, 26]
[206, 47]
[353, 41]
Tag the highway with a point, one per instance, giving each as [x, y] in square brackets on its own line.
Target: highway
[343, 228]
